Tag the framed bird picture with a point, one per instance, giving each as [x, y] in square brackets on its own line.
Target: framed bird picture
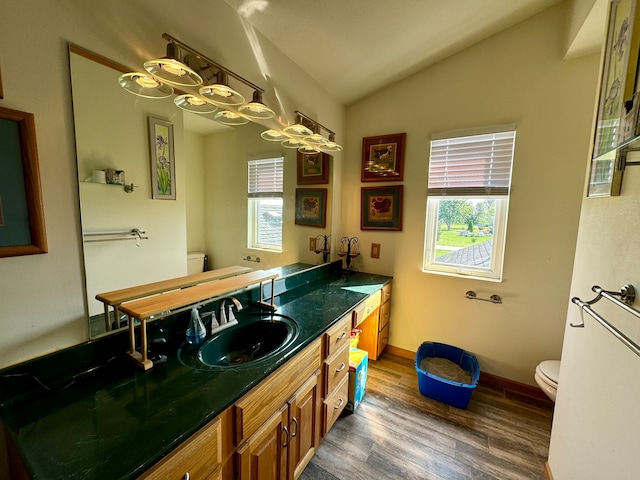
[311, 207]
[381, 208]
[313, 168]
[383, 158]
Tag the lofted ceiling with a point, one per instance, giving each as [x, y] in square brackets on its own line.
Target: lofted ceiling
[356, 47]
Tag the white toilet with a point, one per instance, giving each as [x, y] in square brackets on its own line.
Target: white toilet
[547, 374]
[195, 262]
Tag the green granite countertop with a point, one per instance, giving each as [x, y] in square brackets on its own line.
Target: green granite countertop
[106, 419]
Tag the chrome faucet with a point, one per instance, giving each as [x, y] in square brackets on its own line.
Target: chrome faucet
[230, 317]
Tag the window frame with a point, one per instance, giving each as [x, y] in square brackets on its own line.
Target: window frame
[253, 205]
[500, 192]
[494, 272]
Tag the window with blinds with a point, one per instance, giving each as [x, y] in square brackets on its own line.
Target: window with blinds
[265, 204]
[467, 202]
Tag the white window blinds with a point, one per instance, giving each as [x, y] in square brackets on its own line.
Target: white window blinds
[266, 177]
[471, 165]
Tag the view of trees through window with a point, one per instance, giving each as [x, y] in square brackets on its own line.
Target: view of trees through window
[463, 223]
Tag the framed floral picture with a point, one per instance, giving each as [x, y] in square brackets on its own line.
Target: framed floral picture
[313, 168]
[383, 158]
[163, 169]
[381, 208]
[311, 207]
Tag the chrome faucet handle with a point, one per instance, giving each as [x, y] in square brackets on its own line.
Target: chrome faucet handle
[224, 319]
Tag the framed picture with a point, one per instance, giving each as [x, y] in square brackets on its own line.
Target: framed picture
[313, 168]
[311, 206]
[615, 105]
[383, 158]
[22, 229]
[163, 168]
[381, 208]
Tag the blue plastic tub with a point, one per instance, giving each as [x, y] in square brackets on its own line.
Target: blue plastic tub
[452, 393]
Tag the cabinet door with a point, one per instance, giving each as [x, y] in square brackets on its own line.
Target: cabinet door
[264, 455]
[198, 457]
[304, 426]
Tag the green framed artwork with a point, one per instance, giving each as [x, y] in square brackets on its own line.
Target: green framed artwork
[313, 168]
[311, 207]
[163, 168]
[381, 208]
[22, 228]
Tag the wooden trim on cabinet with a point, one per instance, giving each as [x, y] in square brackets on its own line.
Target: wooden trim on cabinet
[547, 471]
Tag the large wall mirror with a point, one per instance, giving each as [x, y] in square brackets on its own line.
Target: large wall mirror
[209, 213]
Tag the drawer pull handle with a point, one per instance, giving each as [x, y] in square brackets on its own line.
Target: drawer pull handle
[341, 367]
[342, 337]
[339, 404]
[295, 422]
[186, 476]
[286, 437]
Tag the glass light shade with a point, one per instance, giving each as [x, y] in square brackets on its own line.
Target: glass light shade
[173, 71]
[256, 109]
[297, 130]
[221, 94]
[273, 135]
[330, 147]
[144, 85]
[308, 149]
[315, 139]
[230, 118]
[194, 104]
[292, 143]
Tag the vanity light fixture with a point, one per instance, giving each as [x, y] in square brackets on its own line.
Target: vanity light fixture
[144, 85]
[256, 108]
[292, 143]
[306, 137]
[172, 70]
[220, 92]
[298, 129]
[273, 135]
[227, 117]
[193, 103]
[189, 70]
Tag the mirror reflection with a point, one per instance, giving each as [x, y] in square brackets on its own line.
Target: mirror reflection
[131, 238]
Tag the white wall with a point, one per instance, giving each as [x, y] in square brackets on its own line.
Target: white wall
[596, 426]
[42, 304]
[517, 76]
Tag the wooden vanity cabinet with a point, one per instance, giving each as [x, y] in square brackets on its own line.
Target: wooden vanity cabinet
[277, 423]
[375, 325]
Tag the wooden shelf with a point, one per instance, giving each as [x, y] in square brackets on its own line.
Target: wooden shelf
[148, 307]
[144, 309]
[117, 297]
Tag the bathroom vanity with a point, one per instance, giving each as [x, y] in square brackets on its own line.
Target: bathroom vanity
[89, 412]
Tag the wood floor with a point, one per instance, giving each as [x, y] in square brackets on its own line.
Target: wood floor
[396, 433]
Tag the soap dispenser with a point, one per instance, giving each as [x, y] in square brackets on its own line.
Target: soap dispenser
[195, 331]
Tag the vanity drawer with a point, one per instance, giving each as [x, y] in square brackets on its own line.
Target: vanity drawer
[338, 335]
[386, 293]
[200, 457]
[365, 308]
[334, 404]
[383, 339]
[385, 312]
[336, 368]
